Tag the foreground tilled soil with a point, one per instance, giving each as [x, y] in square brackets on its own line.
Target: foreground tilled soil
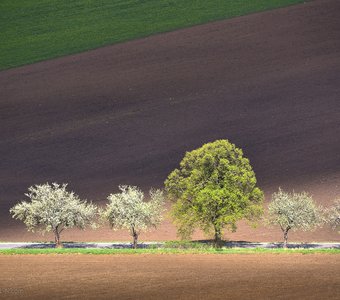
[170, 276]
[126, 114]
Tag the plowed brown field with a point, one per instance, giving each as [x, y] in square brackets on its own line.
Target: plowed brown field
[126, 114]
[170, 277]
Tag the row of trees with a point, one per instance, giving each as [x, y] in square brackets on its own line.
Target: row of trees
[214, 187]
[53, 209]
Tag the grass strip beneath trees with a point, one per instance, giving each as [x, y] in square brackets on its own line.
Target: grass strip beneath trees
[167, 251]
[36, 30]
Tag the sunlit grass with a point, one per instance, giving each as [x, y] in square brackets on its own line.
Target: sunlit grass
[35, 30]
[96, 251]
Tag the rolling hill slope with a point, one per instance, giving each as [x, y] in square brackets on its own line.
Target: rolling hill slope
[127, 113]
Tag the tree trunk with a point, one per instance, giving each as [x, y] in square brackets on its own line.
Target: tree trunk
[58, 244]
[135, 238]
[218, 237]
[285, 238]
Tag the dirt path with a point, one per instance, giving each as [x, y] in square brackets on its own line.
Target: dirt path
[126, 114]
[170, 277]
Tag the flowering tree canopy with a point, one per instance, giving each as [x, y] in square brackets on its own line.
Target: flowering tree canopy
[53, 208]
[296, 211]
[128, 210]
[334, 214]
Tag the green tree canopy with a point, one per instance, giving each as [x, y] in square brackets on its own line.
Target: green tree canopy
[214, 187]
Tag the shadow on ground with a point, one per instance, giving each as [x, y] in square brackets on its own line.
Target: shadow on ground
[76, 245]
[124, 245]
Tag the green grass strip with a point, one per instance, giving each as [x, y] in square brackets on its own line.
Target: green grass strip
[36, 30]
[168, 251]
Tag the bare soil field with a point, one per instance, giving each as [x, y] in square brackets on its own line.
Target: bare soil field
[170, 276]
[126, 114]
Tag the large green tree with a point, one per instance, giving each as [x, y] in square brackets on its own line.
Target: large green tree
[214, 187]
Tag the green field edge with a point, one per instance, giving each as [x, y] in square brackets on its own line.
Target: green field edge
[95, 251]
[148, 34]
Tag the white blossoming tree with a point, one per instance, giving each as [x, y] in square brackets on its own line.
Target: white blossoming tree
[53, 208]
[333, 214]
[293, 211]
[128, 210]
